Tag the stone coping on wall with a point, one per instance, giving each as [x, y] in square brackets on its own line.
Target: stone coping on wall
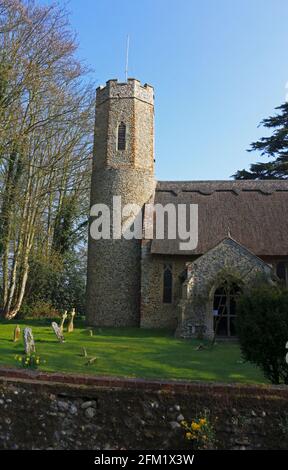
[174, 386]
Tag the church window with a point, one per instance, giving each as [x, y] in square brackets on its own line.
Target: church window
[121, 136]
[167, 284]
[282, 272]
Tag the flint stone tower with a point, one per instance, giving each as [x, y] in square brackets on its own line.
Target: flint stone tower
[123, 165]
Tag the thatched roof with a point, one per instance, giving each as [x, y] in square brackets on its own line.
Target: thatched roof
[255, 213]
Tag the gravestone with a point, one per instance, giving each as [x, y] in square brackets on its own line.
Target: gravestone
[58, 332]
[64, 316]
[17, 332]
[70, 327]
[29, 344]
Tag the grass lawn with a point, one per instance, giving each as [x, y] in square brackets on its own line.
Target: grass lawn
[129, 352]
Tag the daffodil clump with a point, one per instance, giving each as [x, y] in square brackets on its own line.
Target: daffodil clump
[29, 361]
[200, 432]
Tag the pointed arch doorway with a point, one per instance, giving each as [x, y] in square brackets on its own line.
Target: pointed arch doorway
[224, 309]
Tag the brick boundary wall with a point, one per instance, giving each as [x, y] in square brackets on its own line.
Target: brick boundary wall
[39, 410]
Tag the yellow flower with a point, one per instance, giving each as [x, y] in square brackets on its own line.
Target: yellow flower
[188, 435]
[202, 421]
[195, 426]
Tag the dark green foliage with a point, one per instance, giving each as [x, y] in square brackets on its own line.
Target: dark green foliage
[262, 327]
[5, 72]
[55, 286]
[64, 234]
[274, 147]
[9, 197]
[69, 290]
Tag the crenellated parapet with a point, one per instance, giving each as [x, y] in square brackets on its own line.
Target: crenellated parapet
[130, 89]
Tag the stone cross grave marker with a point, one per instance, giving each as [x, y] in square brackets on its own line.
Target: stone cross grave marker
[64, 316]
[70, 327]
[17, 332]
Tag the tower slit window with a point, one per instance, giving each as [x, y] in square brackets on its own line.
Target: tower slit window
[167, 284]
[121, 145]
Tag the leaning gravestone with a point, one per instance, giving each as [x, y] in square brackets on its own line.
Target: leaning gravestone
[58, 332]
[16, 335]
[29, 344]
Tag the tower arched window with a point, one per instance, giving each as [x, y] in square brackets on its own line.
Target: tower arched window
[121, 142]
[167, 284]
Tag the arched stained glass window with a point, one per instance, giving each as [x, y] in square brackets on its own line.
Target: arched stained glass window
[121, 136]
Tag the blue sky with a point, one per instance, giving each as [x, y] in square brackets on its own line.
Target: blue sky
[218, 68]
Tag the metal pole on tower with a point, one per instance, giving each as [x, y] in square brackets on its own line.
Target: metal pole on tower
[127, 57]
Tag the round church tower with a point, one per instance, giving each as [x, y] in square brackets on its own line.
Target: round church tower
[123, 165]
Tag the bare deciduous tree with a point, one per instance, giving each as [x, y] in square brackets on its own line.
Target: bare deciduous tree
[46, 125]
